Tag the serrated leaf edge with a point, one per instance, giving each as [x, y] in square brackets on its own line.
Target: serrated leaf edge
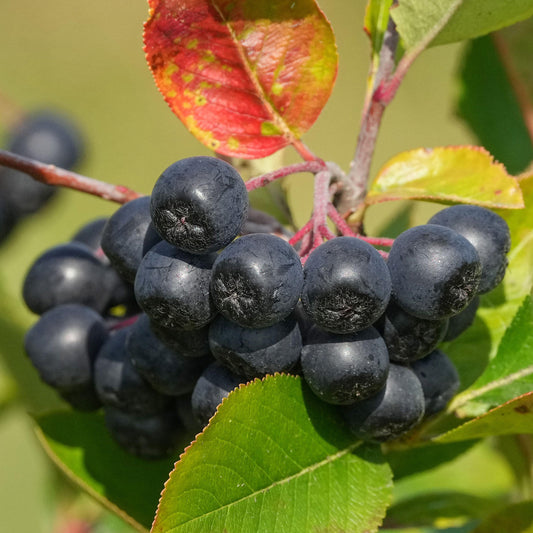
[375, 197]
[310, 468]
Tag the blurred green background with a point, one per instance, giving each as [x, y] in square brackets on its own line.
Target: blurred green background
[86, 60]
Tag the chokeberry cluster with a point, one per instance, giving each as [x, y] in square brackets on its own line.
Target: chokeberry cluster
[157, 313]
[48, 137]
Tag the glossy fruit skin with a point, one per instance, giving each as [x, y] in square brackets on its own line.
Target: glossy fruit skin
[344, 368]
[67, 273]
[439, 379]
[346, 285]
[257, 352]
[407, 337]
[390, 413]
[63, 344]
[215, 383]
[167, 372]
[257, 280]
[172, 287]
[487, 232]
[117, 382]
[147, 436]
[435, 272]
[128, 235]
[199, 204]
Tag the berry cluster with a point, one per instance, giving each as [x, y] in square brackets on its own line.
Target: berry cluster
[202, 311]
[49, 138]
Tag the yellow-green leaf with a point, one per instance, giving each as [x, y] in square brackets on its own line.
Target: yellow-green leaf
[456, 174]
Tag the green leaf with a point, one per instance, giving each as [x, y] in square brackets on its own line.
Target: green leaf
[513, 417]
[517, 518]
[439, 508]
[414, 460]
[457, 174]
[509, 374]
[81, 446]
[376, 20]
[420, 22]
[488, 104]
[275, 458]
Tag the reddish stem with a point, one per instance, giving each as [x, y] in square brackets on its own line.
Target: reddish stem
[53, 175]
[339, 221]
[377, 241]
[307, 166]
[301, 233]
[304, 151]
[124, 323]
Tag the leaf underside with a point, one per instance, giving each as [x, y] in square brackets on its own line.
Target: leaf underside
[457, 20]
[246, 78]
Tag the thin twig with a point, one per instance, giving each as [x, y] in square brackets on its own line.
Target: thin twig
[53, 175]
[359, 172]
[313, 166]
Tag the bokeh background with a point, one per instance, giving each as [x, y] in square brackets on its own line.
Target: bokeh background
[85, 59]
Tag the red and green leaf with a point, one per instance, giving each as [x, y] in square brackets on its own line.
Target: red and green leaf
[246, 78]
[457, 174]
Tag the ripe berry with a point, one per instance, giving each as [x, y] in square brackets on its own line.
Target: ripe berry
[215, 383]
[387, 415]
[128, 235]
[117, 382]
[459, 323]
[487, 232]
[199, 204]
[49, 138]
[167, 372]
[256, 352]
[435, 271]
[407, 337]
[439, 379]
[67, 273]
[343, 369]
[148, 436]
[63, 345]
[257, 280]
[346, 285]
[172, 287]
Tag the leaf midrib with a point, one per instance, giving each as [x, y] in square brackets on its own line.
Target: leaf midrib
[311, 468]
[277, 117]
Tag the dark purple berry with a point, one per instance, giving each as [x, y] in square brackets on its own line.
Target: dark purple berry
[199, 204]
[344, 368]
[435, 271]
[257, 280]
[172, 287]
[487, 232]
[254, 353]
[390, 413]
[346, 285]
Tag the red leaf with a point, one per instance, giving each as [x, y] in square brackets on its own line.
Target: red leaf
[246, 77]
